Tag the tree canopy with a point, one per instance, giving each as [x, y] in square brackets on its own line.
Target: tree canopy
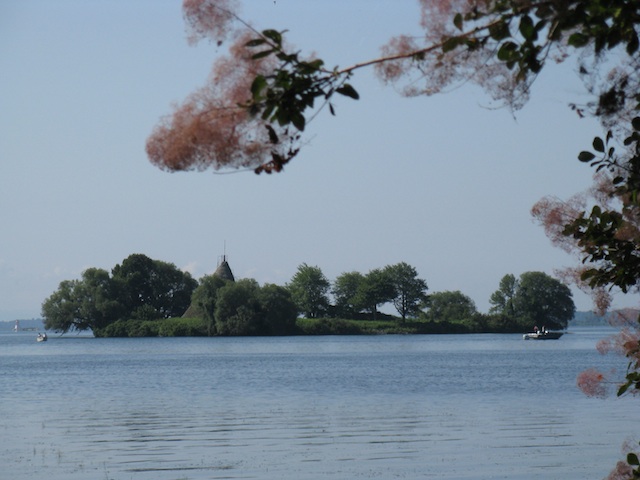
[140, 288]
[153, 288]
[377, 288]
[502, 299]
[141, 293]
[410, 291]
[345, 293]
[543, 299]
[535, 299]
[450, 306]
[237, 309]
[205, 298]
[309, 289]
[88, 303]
[399, 284]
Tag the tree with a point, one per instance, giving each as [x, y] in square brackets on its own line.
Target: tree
[534, 299]
[448, 306]
[153, 288]
[139, 288]
[410, 290]
[238, 310]
[345, 293]
[502, 299]
[245, 308]
[279, 310]
[86, 304]
[204, 299]
[309, 288]
[60, 311]
[541, 299]
[97, 298]
[376, 289]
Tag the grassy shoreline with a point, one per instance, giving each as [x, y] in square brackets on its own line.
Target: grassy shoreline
[197, 327]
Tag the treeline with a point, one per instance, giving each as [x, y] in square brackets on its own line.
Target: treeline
[139, 289]
[517, 305]
[146, 297]
[221, 307]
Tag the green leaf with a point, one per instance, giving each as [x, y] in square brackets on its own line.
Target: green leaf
[273, 137]
[259, 83]
[255, 42]
[450, 44]
[273, 35]
[298, 121]
[457, 21]
[507, 51]
[633, 44]
[632, 459]
[499, 31]
[287, 57]
[348, 91]
[262, 54]
[472, 43]
[527, 29]
[598, 144]
[578, 40]
[315, 64]
[282, 116]
[586, 156]
[636, 123]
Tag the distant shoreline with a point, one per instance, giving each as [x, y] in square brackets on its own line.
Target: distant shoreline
[343, 327]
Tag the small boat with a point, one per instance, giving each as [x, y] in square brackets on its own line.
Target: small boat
[42, 337]
[542, 335]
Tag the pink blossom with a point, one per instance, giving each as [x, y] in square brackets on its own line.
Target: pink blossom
[211, 19]
[622, 471]
[591, 382]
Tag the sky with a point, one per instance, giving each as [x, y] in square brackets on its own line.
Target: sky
[444, 183]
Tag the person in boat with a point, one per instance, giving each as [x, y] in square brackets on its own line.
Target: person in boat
[535, 329]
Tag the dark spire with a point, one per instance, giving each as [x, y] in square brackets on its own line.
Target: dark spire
[224, 270]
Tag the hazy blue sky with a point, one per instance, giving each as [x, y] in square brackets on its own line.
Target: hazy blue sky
[442, 183]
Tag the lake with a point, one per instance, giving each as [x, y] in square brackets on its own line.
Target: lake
[335, 407]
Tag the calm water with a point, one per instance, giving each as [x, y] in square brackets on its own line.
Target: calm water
[442, 407]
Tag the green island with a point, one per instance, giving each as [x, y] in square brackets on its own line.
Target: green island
[142, 297]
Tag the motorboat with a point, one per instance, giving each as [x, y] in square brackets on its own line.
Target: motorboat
[42, 337]
[542, 335]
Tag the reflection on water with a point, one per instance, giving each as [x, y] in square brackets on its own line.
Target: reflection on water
[477, 406]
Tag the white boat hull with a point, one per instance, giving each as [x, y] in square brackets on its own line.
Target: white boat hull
[542, 336]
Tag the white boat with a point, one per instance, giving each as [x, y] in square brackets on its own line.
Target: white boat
[42, 337]
[546, 335]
